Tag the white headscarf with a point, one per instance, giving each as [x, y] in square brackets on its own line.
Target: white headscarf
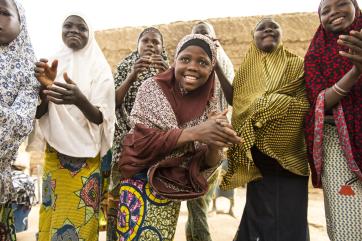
[64, 126]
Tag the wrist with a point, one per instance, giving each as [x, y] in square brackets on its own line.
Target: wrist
[190, 134]
[355, 72]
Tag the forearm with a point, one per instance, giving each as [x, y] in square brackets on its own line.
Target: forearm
[346, 83]
[225, 84]
[123, 89]
[213, 156]
[42, 109]
[92, 113]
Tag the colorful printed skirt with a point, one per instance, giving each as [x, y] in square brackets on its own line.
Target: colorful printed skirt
[7, 226]
[70, 198]
[342, 191]
[144, 215]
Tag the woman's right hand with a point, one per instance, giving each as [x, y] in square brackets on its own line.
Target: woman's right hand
[44, 73]
[354, 42]
[216, 131]
[140, 65]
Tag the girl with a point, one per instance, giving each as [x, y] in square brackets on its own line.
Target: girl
[77, 121]
[172, 147]
[333, 67]
[18, 100]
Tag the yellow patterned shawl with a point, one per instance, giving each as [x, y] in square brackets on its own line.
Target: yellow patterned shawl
[269, 104]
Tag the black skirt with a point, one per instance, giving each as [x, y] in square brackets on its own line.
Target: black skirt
[276, 206]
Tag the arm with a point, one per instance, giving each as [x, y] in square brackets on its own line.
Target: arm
[225, 84]
[140, 64]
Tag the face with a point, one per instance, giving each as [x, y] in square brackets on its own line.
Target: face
[9, 22]
[267, 35]
[192, 68]
[201, 29]
[75, 32]
[336, 15]
[150, 43]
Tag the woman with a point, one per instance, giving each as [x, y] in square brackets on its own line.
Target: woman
[269, 104]
[333, 67]
[148, 60]
[196, 226]
[172, 147]
[77, 121]
[18, 99]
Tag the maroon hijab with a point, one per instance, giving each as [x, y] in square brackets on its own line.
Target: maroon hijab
[188, 106]
[323, 68]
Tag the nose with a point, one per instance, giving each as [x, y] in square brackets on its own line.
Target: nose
[268, 30]
[192, 66]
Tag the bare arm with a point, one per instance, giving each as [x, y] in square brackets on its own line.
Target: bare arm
[225, 84]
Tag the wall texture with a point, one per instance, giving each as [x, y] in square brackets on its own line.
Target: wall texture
[233, 33]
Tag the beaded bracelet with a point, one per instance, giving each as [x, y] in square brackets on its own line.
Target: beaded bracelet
[340, 89]
[337, 91]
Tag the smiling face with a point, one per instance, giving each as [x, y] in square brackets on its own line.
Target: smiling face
[9, 22]
[336, 15]
[192, 68]
[150, 43]
[267, 35]
[75, 32]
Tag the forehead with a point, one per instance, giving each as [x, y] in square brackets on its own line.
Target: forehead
[151, 35]
[8, 4]
[266, 22]
[194, 50]
[75, 19]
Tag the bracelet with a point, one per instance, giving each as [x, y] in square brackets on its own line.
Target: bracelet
[340, 89]
[337, 91]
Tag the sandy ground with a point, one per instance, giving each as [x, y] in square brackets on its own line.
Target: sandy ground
[223, 227]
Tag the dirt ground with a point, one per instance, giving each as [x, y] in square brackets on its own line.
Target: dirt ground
[222, 226]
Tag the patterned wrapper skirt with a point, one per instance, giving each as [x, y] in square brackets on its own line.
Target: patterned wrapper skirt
[7, 226]
[70, 198]
[342, 191]
[144, 215]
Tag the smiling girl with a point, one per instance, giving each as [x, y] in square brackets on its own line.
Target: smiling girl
[333, 68]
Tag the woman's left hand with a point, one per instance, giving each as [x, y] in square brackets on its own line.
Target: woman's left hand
[64, 93]
[353, 41]
[159, 63]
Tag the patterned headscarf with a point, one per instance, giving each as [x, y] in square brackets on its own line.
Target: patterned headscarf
[269, 104]
[323, 68]
[18, 100]
[191, 105]
[123, 111]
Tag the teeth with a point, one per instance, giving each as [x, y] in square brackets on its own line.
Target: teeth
[190, 77]
[338, 20]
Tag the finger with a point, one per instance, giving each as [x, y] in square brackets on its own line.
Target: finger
[352, 46]
[351, 56]
[54, 65]
[53, 94]
[64, 85]
[44, 60]
[352, 39]
[56, 101]
[67, 79]
[39, 70]
[62, 91]
[41, 64]
[356, 34]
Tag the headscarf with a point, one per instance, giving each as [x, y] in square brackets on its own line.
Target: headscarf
[150, 146]
[65, 127]
[269, 104]
[18, 100]
[191, 105]
[323, 68]
[123, 111]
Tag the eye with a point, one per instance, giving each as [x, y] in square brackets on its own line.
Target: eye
[204, 63]
[82, 29]
[155, 42]
[184, 59]
[343, 3]
[4, 13]
[67, 25]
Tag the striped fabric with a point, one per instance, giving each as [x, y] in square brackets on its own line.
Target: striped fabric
[269, 105]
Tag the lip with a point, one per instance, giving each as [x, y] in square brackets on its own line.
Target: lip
[269, 36]
[332, 21]
[74, 37]
[149, 51]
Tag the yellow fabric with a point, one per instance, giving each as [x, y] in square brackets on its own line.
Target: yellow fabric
[70, 200]
[269, 104]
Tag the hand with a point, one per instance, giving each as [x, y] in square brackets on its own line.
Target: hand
[217, 131]
[158, 63]
[140, 65]
[64, 93]
[44, 73]
[354, 42]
